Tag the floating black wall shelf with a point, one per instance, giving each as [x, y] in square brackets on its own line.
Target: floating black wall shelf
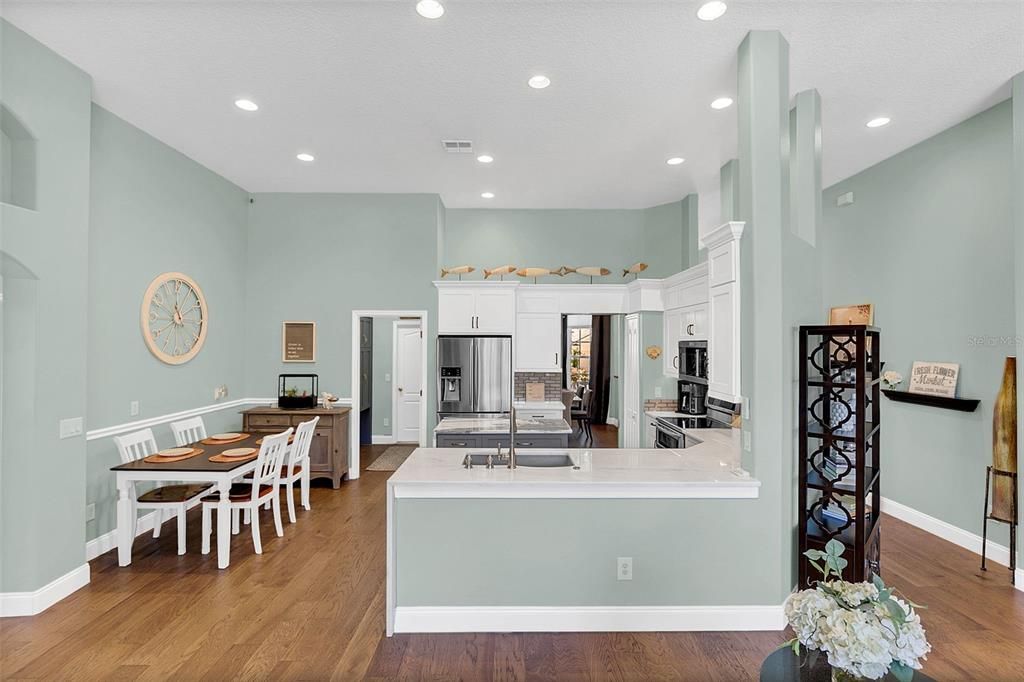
[958, 404]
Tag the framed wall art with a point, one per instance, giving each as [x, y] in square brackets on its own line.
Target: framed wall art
[298, 342]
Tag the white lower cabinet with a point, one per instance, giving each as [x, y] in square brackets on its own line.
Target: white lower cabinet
[538, 342]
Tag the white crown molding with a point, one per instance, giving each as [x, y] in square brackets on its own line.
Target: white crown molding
[696, 272]
[726, 232]
[30, 603]
[476, 283]
[108, 431]
[587, 618]
[958, 536]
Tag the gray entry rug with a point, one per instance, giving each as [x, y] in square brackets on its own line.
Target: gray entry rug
[392, 458]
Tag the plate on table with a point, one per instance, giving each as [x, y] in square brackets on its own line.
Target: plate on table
[224, 436]
[174, 452]
[239, 452]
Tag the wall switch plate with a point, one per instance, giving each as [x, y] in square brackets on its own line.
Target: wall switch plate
[90, 511]
[133, 408]
[745, 409]
[220, 392]
[844, 199]
[387, 377]
[657, 391]
[69, 428]
[624, 568]
[387, 422]
[746, 441]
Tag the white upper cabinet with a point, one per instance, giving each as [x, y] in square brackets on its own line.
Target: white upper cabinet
[466, 308]
[688, 288]
[672, 324]
[538, 342]
[723, 311]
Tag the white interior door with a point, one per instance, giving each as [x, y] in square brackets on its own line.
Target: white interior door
[408, 384]
[631, 384]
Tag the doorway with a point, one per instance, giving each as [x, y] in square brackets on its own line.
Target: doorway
[379, 372]
[407, 371]
[630, 431]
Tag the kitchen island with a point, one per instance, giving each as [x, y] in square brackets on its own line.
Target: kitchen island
[491, 432]
[618, 539]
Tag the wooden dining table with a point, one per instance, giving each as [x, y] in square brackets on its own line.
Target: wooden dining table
[198, 469]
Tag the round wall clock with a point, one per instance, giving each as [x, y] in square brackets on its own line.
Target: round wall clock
[174, 318]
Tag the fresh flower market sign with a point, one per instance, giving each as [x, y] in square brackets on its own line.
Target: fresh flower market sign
[934, 378]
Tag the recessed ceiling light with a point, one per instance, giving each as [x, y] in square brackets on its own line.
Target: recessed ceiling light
[722, 103]
[878, 122]
[487, 195]
[539, 82]
[710, 11]
[305, 157]
[485, 158]
[675, 161]
[246, 105]
[429, 9]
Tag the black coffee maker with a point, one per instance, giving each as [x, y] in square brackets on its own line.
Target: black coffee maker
[691, 397]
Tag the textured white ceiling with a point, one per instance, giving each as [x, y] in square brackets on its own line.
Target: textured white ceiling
[371, 88]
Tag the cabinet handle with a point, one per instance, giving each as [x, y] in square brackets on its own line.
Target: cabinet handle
[689, 329]
[675, 361]
[524, 444]
[556, 358]
[461, 445]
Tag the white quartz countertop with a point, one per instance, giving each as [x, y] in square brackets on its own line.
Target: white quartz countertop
[501, 425]
[708, 469]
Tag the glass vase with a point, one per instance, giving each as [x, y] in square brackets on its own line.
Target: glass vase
[840, 675]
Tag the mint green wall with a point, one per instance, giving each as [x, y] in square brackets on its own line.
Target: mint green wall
[652, 375]
[662, 236]
[1017, 192]
[927, 241]
[563, 552]
[383, 352]
[43, 535]
[318, 257]
[154, 210]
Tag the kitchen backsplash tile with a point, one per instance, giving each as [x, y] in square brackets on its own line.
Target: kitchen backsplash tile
[552, 384]
[659, 405]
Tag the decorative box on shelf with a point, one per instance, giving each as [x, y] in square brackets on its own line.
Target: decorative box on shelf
[297, 391]
[840, 424]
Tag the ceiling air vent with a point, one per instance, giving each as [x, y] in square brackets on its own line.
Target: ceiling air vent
[458, 146]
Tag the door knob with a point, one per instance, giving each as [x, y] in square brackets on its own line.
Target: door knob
[399, 389]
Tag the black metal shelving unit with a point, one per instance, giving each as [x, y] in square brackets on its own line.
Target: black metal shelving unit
[840, 433]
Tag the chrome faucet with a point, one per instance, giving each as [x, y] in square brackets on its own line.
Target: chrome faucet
[512, 440]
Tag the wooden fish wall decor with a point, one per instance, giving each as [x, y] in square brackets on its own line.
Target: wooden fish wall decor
[533, 272]
[457, 270]
[501, 270]
[635, 269]
[587, 270]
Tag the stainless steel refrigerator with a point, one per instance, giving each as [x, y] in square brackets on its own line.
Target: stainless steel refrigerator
[474, 375]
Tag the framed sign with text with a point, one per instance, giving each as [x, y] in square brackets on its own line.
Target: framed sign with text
[298, 342]
[934, 378]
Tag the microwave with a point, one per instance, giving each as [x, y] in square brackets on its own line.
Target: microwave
[693, 361]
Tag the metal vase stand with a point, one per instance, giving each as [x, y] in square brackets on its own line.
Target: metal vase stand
[990, 473]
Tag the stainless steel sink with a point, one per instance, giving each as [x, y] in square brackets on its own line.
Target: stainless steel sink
[523, 459]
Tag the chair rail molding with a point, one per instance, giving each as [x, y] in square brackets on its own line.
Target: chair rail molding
[107, 431]
[31, 603]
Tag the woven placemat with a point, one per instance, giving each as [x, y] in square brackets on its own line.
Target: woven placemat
[210, 441]
[164, 459]
[290, 440]
[221, 459]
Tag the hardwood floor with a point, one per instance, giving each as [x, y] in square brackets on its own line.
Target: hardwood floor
[312, 608]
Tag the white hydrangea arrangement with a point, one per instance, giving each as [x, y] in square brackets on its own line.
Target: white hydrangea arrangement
[864, 630]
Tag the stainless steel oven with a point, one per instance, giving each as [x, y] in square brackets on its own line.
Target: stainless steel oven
[693, 361]
[667, 437]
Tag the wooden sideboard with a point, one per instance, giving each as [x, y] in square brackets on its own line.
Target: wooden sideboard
[328, 453]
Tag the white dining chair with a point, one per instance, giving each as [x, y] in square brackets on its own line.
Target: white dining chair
[296, 467]
[174, 498]
[188, 431]
[251, 496]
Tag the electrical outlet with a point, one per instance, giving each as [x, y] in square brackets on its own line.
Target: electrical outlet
[69, 428]
[657, 391]
[387, 377]
[133, 408]
[90, 511]
[844, 199]
[387, 422]
[746, 441]
[220, 392]
[624, 568]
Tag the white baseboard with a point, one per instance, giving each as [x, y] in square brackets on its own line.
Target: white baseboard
[947, 531]
[612, 421]
[1019, 579]
[31, 603]
[587, 618]
[108, 540]
[383, 439]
